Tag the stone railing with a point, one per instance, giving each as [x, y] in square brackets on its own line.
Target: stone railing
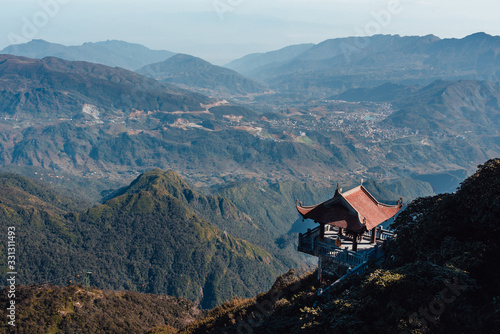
[309, 243]
[381, 234]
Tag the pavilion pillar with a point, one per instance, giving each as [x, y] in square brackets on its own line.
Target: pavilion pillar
[321, 231]
[373, 236]
[355, 243]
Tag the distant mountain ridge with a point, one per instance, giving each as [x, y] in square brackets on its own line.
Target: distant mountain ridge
[196, 73]
[249, 63]
[336, 65]
[111, 53]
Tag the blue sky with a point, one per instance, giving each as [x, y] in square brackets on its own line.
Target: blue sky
[222, 30]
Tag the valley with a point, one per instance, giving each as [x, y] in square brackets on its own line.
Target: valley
[112, 130]
[323, 142]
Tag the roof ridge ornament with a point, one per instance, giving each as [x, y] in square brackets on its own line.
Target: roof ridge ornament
[338, 190]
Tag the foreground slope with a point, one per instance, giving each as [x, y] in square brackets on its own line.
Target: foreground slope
[441, 275]
[55, 309]
[145, 239]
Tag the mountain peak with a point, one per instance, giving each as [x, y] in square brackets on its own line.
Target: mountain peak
[182, 58]
[478, 35]
[185, 56]
[38, 41]
[157, 181]
[197, 73]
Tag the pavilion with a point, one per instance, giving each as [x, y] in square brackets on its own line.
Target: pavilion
[354, 213]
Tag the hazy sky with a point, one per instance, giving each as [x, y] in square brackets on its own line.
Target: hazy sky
[222, 30]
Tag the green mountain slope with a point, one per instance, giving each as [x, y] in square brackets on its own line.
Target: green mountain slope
[214, 208]
[196, 73]
[16, 187]
[272, 206]
[145, 239]
[169, 247]
[44, 237]
[111, 53]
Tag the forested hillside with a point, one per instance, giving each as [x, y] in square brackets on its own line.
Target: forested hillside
[147, 238]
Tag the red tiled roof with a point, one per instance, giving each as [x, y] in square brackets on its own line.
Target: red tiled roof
[351, 210]
[336, 215]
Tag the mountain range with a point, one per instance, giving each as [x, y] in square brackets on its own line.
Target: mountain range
[255, 62]
[199, 75]
[323, 69]
[55, 88]
[111, 53]
[91, 120]
[343, 63]
[88, 120]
